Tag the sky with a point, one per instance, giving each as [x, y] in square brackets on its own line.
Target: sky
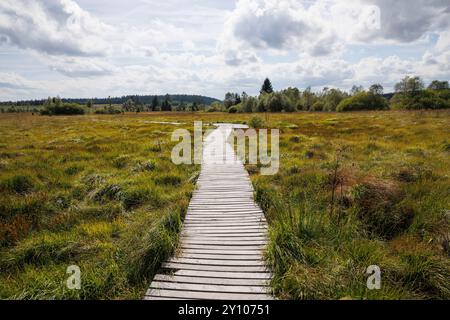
[100, 48]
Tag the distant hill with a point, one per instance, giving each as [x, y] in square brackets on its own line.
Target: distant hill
[388, 95]
[145, 99]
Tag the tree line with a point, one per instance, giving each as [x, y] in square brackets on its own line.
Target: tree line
[410, 93]
[145, 99]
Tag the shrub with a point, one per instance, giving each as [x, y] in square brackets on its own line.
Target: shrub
[169, 179]
[64, 109]
[446, 146]
[20, 184]
[317, 106]
[428, 273]
[295, 139]
[145, 166]
[426, 99]
[363, 101]
[378, 206]
[249, 105]
[413, 173]
[14, 229]
[275, 102]
[232, 109]
[135, 197]
[121, 162]
[108, 192]
[108, 111]
[256, 122]
[73, 170]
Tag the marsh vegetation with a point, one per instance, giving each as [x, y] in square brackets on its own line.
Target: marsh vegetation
[100, 191]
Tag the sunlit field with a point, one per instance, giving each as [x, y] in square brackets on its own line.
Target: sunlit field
[101, 192]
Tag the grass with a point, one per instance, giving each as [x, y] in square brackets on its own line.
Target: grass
[356, 190]
[91, 191]
[353, 190]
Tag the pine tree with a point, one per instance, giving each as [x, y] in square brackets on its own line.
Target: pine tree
[266, 87]
[155, 103]
[166, 105]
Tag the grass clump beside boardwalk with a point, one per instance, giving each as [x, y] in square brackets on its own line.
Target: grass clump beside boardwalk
[356, 190]
[88, 191]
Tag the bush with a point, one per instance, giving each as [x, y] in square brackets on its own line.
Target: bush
[64, 109]
[145, 166]
[233, 109]
[427, 273]
[133, 198]
[169, 179]
[256, 122]
[378, 206]
[275, 102]
[249, 105]
[108, 192]
[317, 106]
[426, 99]
[20, 184]
[121, 162]
[363, 101]
[107, 111]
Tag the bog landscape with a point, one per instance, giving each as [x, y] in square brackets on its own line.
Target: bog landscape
[94, 206]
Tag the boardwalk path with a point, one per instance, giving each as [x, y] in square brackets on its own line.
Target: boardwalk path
[223, 237]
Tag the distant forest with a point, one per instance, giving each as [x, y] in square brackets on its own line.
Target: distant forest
[145, 99]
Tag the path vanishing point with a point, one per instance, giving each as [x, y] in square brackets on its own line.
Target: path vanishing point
[224, 235]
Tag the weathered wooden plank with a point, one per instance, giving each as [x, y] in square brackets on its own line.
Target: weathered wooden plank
[207, 280]
[227, 214]
[223, 262]
[222, 252]
[208, 287]
[224, 234]
[149, 297]
[178, 294]
[226, 239]
[223, 247]
[187, 266]
[222, 224]
[224, 242]
[251, 257]
[260, 227]
[224, 274]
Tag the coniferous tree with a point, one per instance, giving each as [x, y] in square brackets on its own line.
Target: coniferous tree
[266, 87]
[166, 105]
[155, 103]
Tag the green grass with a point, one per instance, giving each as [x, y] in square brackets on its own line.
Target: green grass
[356, 190]
[100, 191]
[90, 191]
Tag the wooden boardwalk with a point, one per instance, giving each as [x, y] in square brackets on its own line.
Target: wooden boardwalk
[223, 237]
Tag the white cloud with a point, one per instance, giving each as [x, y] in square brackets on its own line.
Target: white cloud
[10, 80]
[80, 67]
[406, 21]
[57, 27]
[208, 47]
[325, 27]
